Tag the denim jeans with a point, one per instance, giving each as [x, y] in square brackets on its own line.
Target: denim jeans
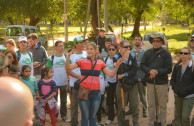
[89, 108]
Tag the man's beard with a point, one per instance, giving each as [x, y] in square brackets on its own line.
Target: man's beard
[137, 45]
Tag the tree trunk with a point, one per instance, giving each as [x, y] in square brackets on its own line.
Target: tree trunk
[94, 22]
[10, 19]
[137, 24]
[34, 21]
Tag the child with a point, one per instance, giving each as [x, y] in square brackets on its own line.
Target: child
[29, 80]
[47, 89]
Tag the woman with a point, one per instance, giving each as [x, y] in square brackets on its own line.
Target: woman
[10, 44]
[13, 60]
[90, 106]
[112, 82]
[4, 65]
[182, 82]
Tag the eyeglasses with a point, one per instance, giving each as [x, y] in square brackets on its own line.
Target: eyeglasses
[111, 49]
[192, 40]
[126, 47]
[185, 53]
[157, 41]
[9, 57]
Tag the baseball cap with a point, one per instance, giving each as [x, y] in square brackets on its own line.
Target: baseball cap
[192, 36]
[4, 62]
[23, 38]
[156, 36]
[2, 48]
[78, 39]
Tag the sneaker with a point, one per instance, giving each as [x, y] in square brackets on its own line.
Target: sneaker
[66, 119]
[108, 122]
[100, 123]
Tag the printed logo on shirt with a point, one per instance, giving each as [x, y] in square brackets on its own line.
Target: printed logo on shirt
[110, 64]
[26, 61]
[60, 62]
[130, 62]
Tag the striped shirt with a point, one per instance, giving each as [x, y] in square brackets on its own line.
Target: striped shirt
[46, 88]
[92, 81]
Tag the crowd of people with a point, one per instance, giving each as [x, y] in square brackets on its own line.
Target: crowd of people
[96, 75]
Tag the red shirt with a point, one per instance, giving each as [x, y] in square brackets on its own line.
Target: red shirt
[92, 81]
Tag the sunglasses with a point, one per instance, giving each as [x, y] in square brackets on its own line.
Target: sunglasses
[111, 49]
[9, 57]
[157, 41]
[192, 40]
[126, 47]
[185, 53]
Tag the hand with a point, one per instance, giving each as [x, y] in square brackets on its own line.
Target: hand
[45, 100]
[71, 52]
[153, 73]
[36, 63]
[120, 76]
[120, 60]
[38, 98]
[126, 55]
[37, 66]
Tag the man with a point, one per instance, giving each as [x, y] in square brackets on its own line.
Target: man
[57, 62]
[140, 74]
[24, 57]
[39, 54]
[104, 53]
[16, 106]
[74, 75]
[127, 80]
[100, 41]
[157, 64]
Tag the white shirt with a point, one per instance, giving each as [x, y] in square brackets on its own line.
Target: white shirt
[25, 59]
[109, 65]
[60, 75]
[73, 58]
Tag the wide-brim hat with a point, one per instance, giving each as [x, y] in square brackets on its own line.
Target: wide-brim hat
[156, 36]
[78, 39]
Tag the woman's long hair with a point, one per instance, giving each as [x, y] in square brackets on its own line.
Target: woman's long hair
[15, 62]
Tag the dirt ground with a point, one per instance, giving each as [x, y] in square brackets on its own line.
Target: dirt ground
[142, 121]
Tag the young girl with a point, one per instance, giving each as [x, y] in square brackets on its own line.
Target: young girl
[47, 89]
[30, 81]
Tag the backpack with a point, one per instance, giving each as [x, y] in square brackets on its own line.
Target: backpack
[19, 54]
[52, 58]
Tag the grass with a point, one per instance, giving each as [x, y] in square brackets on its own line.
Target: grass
[176, 33]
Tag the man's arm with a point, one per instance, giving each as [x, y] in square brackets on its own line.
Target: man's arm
[70, 73]
[143, 64]
[45, 57]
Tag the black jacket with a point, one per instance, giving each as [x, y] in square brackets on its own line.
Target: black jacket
[129, 68]
[162, 63]
[182, 86]
[101, 42]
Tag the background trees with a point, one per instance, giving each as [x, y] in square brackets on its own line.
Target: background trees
[33, 12]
